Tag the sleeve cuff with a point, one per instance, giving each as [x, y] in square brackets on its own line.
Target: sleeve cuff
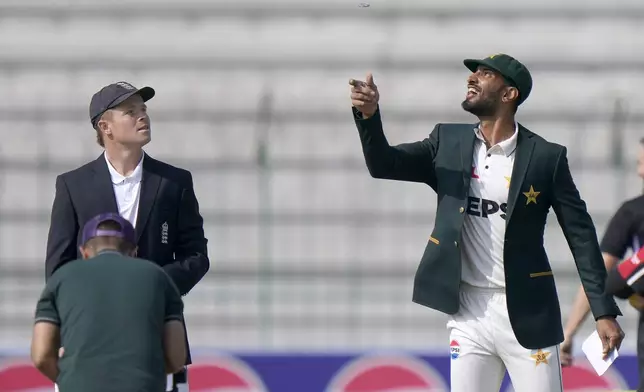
[357, 115]
[609, 310]
[173, 317]
[47, 320]
[613, 251]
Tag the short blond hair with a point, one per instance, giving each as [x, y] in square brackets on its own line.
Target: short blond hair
[99, 134]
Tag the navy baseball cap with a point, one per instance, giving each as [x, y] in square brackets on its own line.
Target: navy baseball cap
[113, 95]
[91, 230]
[510, 68]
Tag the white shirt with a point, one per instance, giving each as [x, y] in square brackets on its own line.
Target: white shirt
[484, 226]
[127, 190]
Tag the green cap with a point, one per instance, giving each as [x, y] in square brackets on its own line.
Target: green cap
[510, 68]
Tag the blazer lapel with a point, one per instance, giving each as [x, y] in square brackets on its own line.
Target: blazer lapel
[149, 187]
[467, 154]
[103, 186]
[525, 146]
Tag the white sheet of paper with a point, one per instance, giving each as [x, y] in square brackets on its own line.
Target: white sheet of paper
[592, 347]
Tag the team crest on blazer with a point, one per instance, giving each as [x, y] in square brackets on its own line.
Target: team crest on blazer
[164, 233]
[531, 196]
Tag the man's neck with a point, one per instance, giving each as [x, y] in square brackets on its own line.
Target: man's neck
[106, 249]
[123, 159]
[497, 129]
[98, 250]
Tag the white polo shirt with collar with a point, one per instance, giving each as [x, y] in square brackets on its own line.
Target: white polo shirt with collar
[484, 227]
[127, 190]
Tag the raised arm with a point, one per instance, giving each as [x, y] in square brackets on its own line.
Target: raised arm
[405, 162]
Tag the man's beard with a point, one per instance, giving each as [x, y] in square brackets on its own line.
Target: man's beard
[484, 107]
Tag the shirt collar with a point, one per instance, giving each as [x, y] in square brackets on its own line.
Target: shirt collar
[117, 178]
[109, 251]
[508, 145]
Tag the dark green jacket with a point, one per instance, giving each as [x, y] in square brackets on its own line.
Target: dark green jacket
[443, 161]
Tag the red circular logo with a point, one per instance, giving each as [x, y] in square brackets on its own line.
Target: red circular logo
[223, 374]
[387, 373]
[210, 374]
[21, 376]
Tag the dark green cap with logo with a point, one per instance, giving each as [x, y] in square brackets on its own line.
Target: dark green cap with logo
[510, 68]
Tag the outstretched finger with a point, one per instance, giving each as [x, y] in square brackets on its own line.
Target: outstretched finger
[369, 80]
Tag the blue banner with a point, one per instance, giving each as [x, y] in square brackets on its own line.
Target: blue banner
[319, 372]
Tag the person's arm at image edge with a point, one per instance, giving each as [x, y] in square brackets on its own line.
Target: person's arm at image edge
[45, 342]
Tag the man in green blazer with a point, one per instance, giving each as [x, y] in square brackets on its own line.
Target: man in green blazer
[485, 264]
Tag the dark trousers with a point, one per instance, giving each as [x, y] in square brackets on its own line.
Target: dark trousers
[179, 378]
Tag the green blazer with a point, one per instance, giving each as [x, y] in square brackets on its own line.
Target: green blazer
[444, 161]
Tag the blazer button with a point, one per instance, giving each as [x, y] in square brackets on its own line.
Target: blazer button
[456, 244]
[461, 210]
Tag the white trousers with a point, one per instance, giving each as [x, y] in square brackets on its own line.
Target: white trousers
[483, 347]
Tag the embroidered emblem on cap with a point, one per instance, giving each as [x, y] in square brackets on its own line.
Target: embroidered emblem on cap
[126, 85]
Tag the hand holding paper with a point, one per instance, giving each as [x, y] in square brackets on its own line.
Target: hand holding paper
[610, 333]
[594, 349]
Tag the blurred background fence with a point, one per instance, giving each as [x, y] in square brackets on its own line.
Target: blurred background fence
[308, 251]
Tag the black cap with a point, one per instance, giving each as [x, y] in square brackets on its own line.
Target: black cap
[113, 95]
[510, 68]
[91, 228]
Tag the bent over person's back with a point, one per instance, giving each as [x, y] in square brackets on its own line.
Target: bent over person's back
[113, 316]
[112, 311]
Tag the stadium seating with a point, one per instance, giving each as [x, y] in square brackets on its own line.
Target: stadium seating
[227, 74]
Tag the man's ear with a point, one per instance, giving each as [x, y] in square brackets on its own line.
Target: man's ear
[511, 94]
[103, 128]
[102, 125]
[84, 252]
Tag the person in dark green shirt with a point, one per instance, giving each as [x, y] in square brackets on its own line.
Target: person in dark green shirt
[109, 322]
